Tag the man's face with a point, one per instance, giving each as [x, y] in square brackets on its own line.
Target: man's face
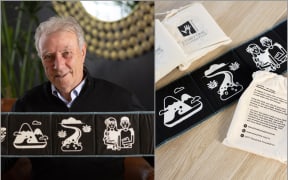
[62, 59]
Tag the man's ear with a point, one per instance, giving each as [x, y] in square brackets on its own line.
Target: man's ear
[83, 52]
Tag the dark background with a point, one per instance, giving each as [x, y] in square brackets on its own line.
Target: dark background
[136, 74]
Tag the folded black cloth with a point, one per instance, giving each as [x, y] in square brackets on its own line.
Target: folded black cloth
[77, 134]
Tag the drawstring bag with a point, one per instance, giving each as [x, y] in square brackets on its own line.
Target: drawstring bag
[259, 124]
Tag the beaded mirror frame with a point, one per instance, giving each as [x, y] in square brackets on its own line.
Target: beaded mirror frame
[124, 39]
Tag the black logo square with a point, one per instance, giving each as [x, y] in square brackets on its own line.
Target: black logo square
[186, 29]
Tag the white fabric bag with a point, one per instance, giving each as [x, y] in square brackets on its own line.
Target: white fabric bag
[168, 55]
[259, 123]
[195, 31]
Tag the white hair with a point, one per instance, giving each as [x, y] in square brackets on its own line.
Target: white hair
[57, 23]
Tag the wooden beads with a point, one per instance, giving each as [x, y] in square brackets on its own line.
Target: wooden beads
[118, 40]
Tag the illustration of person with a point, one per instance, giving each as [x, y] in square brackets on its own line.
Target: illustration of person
[111, 134]
[3, 133]
[127, 134]
[261, 58]
[275, 50]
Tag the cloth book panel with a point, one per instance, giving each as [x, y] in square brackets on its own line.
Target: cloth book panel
[223, 80]
[147, 131]
[64, 134]
[29, 134]
[127, 140]
[179, 106]
[266, 52]
[218, 83]
[73, 134]
[4, 141]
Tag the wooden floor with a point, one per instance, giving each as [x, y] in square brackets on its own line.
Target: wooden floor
[199, 153]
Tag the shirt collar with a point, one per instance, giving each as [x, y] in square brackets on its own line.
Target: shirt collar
[74, 93]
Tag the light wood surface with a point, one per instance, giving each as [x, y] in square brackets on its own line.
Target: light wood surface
[199, 153]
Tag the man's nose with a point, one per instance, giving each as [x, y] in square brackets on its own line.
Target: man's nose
[59, 61]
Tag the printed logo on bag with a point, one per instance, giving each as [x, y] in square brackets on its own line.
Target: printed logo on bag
[72, 143]
[159, 52]
[271, 57]
[3, 133]
[179, 107]
[117, 139]
[192, 30]
[228, 88]
[26, 138]
[187, 29]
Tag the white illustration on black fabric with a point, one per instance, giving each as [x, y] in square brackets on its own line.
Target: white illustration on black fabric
[271, 57]
[3, 133]
[187, 29]
[26, 138]
[177, 110]
[228, 87]
[275, 50]
[72, 142]
[212, 84]
[127, 136]
[117, 139]
[234, 66]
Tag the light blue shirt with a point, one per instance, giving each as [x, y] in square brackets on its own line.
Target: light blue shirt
[74, 93]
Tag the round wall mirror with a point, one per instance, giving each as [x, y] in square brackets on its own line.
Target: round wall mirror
[128, 35]
[109, 11]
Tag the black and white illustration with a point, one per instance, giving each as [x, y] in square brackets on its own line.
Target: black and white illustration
[27, 138]
[269, 56]
[3, 133]
[176, 110]
[118, 138]
[227, 88]
[187, 28]
[4, 139]
[72, 142]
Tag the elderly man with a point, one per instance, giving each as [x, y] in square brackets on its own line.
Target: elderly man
[62, 49]
[61, 46]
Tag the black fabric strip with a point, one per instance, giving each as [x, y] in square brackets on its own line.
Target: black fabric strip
[82, 134]
[191, 99]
